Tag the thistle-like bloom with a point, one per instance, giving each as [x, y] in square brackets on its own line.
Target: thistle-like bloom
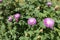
[1, 0]
[10, 18]
[17, 15]
[31, 21]
[49, 4]
[48, 22]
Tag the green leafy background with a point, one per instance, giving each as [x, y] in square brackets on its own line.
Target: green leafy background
[28, 8]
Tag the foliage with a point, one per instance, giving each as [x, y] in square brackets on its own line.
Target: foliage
[28, 8]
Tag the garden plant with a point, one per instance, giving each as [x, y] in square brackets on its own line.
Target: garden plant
[29, 19]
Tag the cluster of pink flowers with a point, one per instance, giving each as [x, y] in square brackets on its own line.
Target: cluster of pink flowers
[48, 22]
[16, 16]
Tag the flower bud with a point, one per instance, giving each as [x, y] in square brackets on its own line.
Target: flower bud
[38, 37]
[56, 7]
[27, 34]
[10, 18]
[41, 30]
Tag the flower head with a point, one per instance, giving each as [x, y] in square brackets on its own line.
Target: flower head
[16, 16]
[49, 4]
[10, 18]
[31, 21]
[48, 22]
[1, 0]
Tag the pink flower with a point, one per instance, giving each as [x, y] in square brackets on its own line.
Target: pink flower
[1, 0]
[31, 21]
[49, 4]
[17, 15]
[48, 22]
[10, 18]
